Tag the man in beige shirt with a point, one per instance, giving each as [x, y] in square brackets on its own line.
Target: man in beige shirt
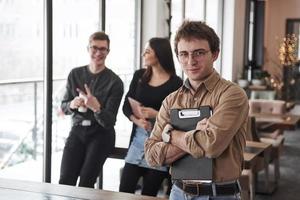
[220, 137]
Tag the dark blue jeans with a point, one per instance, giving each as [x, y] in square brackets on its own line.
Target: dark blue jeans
[85, 152]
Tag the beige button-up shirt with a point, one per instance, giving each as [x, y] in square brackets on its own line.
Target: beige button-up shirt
[224, 138]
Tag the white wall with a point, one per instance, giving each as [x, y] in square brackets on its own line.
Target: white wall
[233, 38]
[239, 39]
[227, 42]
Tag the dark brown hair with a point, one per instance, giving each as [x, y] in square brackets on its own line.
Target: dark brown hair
[163, 52]
[198, 30]
[99, 36]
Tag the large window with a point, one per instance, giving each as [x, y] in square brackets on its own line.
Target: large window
[120, 24]
[73, 23]
[22, 70]
[21, 90]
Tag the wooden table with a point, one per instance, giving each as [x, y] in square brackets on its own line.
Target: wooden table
[281, 121]
[17, 189]
[255, 152]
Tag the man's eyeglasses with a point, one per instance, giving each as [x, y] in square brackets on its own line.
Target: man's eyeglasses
[100, 49]
[197, 54]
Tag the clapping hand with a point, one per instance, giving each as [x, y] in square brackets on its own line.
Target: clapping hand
[90, 100]
[76, 102]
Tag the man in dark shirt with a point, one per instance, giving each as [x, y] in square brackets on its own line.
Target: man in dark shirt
[93, 95]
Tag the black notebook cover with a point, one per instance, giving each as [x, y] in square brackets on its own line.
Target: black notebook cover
[188, 167]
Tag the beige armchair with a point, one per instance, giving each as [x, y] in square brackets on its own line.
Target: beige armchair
[266, 130]
[267, 106]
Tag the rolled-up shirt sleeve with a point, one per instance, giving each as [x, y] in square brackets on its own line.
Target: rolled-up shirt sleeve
[107, 116]
[68, 97]
[155, 152]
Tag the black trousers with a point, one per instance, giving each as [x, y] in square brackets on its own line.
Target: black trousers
[85, 152]
[152, 179]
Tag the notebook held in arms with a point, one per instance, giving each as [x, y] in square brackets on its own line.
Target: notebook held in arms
[188, 167]
[136, 108]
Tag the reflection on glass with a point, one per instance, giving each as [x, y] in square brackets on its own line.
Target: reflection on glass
[21, 91]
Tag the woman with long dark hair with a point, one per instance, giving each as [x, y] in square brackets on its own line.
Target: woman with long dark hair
[149, 86]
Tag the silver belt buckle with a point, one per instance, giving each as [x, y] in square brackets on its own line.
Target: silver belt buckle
[86, 123]
[197, 181]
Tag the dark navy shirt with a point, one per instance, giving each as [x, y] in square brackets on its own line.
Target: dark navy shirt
[106, 86]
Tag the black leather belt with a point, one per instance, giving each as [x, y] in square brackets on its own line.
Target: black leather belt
[206, 189]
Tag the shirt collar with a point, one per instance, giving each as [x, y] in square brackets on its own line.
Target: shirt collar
[209, 82]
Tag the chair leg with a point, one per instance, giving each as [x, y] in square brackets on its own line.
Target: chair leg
[276, 170]
[246, 185]
[252, 185]
[267, 175]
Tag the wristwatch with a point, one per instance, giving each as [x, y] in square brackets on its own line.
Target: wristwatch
[166, 134]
